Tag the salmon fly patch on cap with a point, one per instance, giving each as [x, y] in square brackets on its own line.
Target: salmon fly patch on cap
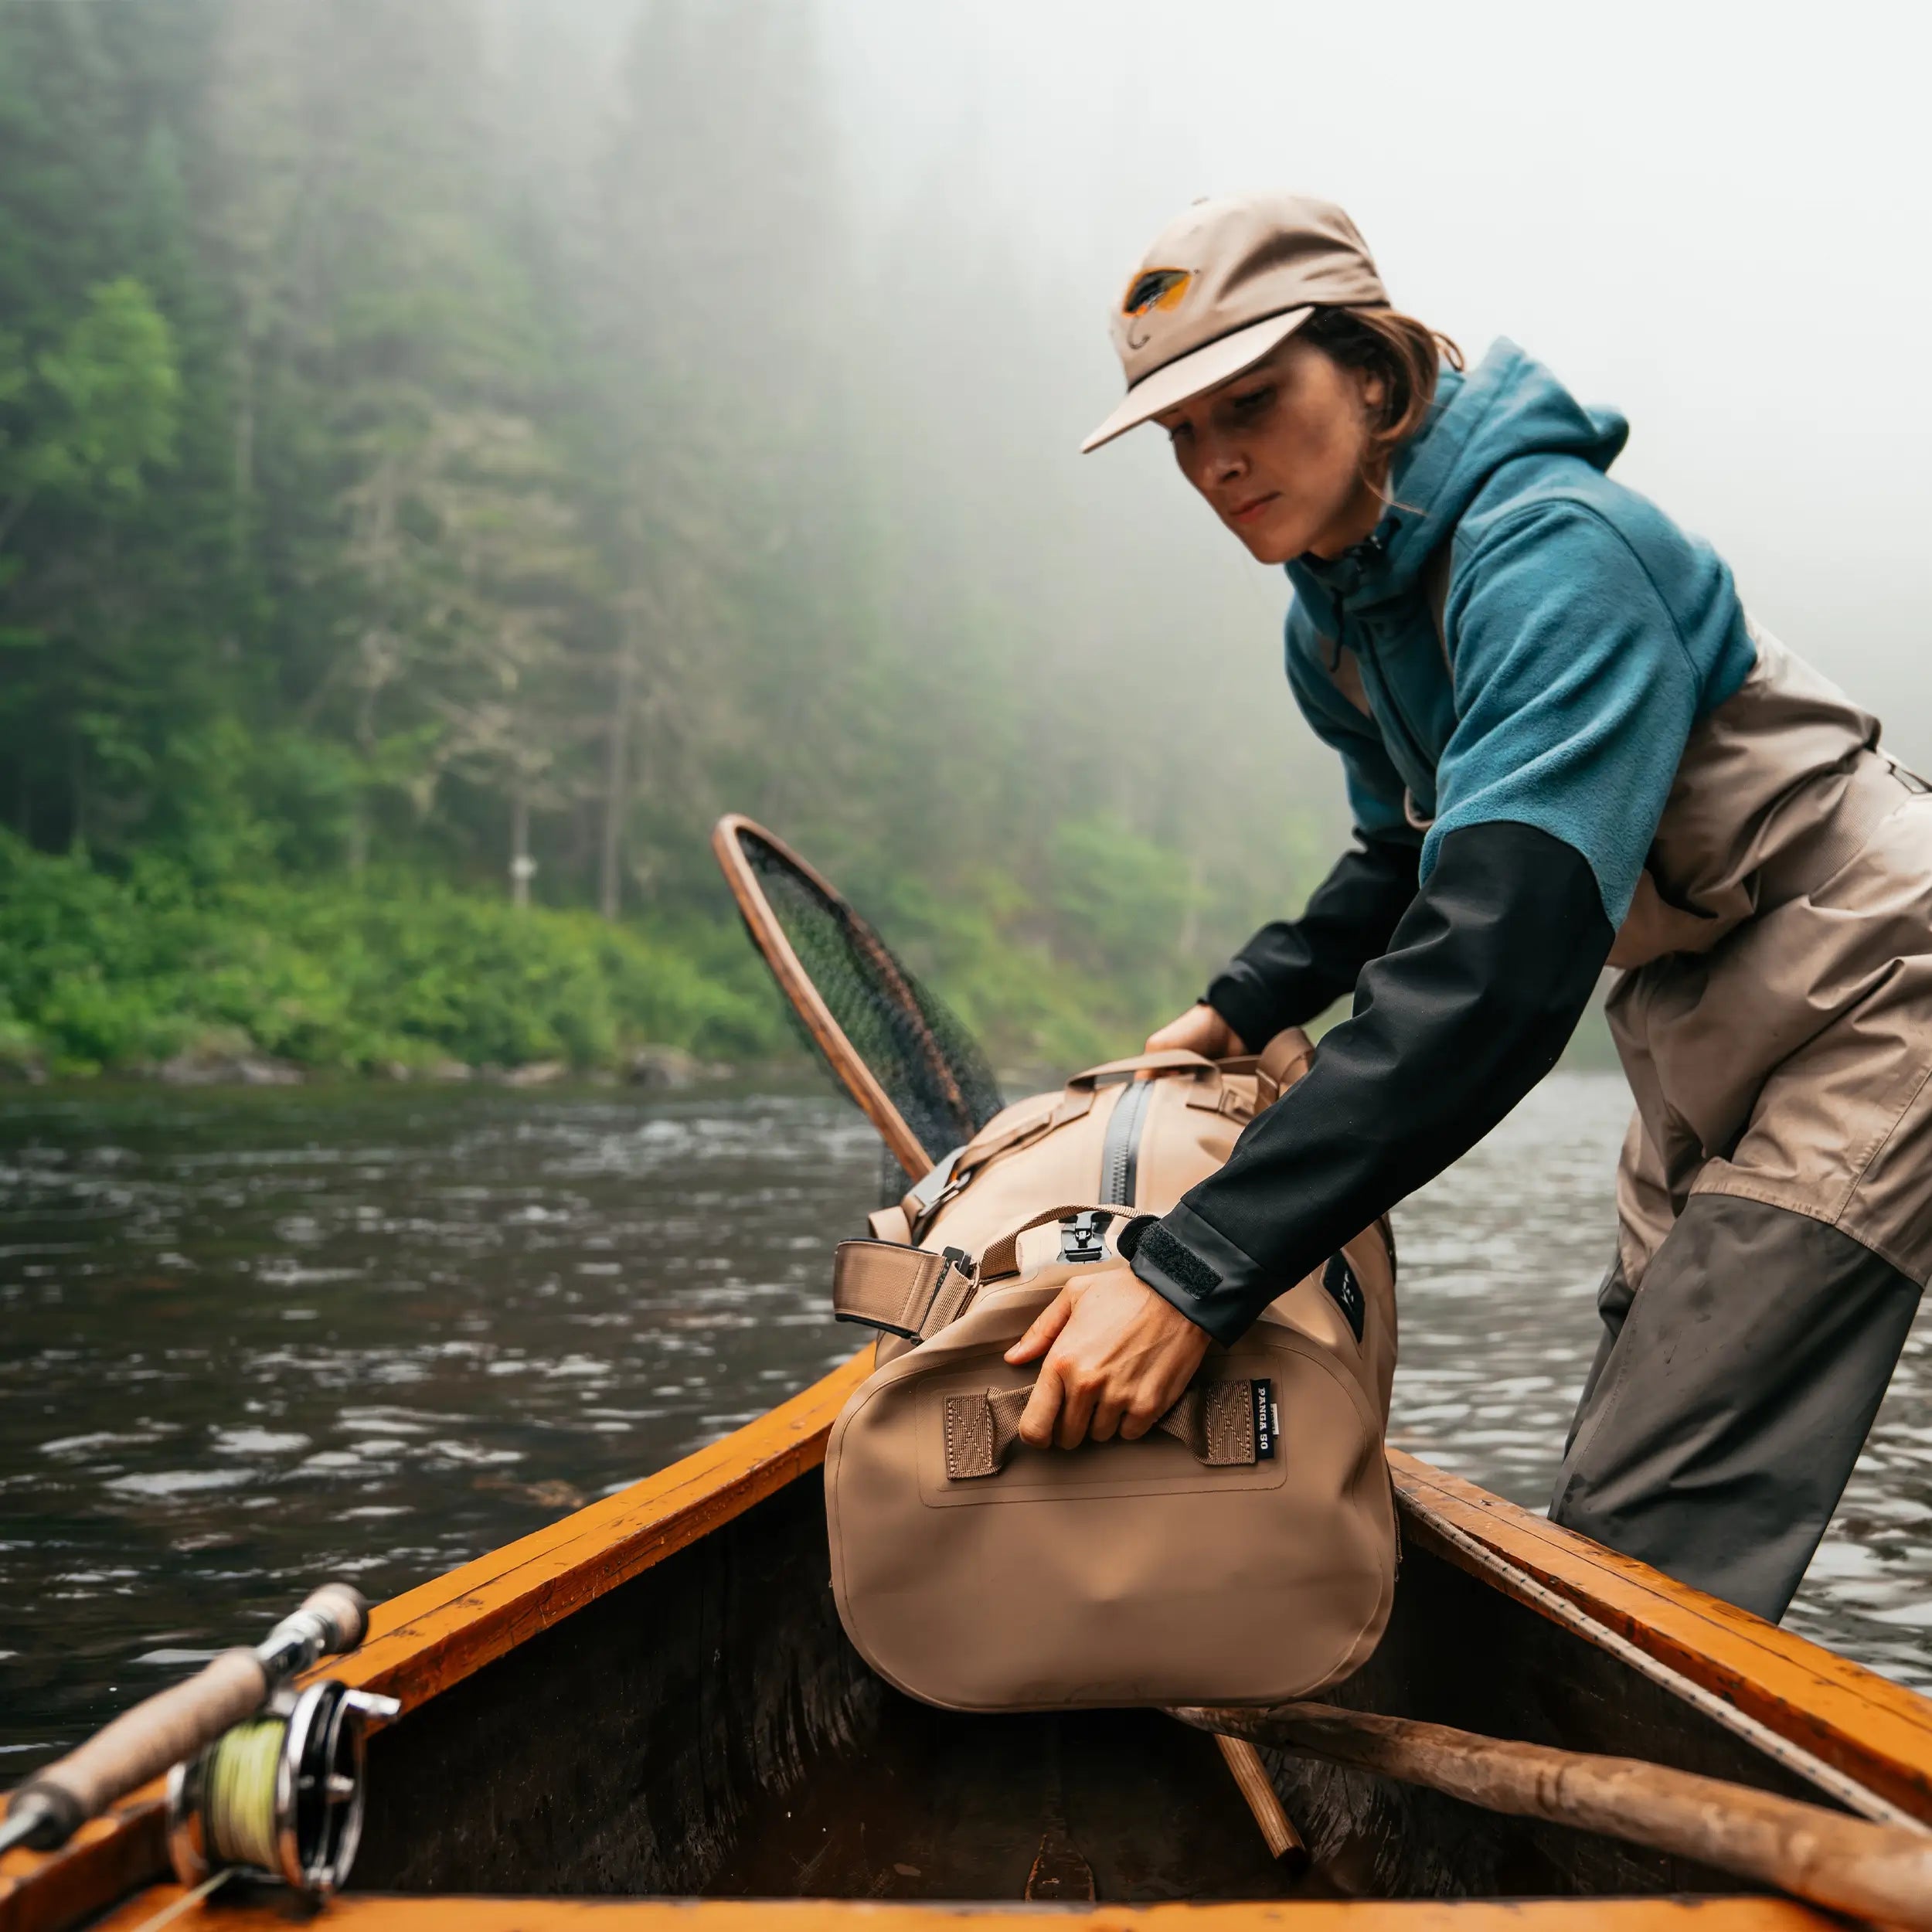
[1156, 288]
[1261, 265]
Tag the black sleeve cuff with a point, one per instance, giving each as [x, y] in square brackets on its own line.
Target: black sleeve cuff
[1238, 995]
[1490, 970]
[1205, 1275]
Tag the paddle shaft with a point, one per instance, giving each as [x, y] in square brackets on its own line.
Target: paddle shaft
[1878, 1872]
[1250, 1775]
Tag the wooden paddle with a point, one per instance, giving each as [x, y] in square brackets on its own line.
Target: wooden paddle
[1878, 1871]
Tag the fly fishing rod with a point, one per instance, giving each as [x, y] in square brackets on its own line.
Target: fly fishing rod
[265, 1778]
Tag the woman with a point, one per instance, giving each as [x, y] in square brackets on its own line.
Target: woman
[1566, 744]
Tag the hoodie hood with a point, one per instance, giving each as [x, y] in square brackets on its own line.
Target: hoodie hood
[1508, 406]
[1580, 634]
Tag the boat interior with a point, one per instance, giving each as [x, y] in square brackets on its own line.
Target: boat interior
[653, 1699]
[706, 1729]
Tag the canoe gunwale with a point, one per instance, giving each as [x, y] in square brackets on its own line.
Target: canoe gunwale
[377, 1912]
[1875, 1733]
[430, 1638]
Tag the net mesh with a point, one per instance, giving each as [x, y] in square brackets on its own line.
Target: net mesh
[920, 1052]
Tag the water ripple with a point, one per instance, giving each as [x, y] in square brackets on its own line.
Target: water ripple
[259, 1338]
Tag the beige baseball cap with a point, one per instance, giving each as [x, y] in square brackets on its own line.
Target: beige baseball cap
[1221, 286]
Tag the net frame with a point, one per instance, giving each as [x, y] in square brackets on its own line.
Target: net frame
[847, 1064]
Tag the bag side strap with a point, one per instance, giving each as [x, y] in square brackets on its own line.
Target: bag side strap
[906, 1291]
[1216, 1419]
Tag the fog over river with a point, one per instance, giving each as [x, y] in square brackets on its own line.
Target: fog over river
[253, 1339]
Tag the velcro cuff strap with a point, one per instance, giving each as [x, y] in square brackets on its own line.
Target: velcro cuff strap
[1216, 1419]
[906, 1291]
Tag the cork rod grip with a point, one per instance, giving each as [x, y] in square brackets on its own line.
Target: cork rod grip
[162, 1730]
[344, 1610]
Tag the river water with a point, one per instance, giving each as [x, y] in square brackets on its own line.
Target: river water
[256, 1338]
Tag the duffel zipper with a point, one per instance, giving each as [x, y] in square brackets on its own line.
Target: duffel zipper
[1121, 1151]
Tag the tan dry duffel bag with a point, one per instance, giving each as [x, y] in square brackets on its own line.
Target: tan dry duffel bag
[1244, 1551]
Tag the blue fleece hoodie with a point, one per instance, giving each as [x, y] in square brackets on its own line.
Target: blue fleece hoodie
[1585, 632]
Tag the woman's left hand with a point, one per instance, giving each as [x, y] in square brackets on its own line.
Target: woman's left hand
[1118, 1358]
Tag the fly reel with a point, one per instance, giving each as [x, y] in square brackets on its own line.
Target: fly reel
[279, 1797]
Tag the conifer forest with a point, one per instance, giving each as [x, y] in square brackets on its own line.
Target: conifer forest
[449, 452]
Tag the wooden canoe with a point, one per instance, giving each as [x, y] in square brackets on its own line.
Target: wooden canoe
[647, 1716]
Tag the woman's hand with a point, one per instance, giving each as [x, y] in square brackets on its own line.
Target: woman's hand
[1117, 1358]
[1199, 1030]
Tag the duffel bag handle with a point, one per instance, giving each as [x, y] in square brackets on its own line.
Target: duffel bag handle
[1170, 1060]
[1228, 1425]
[1002, 1258]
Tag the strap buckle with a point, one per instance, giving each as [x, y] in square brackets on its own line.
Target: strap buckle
[1080, 1238]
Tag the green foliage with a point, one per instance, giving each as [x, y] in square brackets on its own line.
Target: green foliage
[98, 973]
[112, 394]
[438, 448]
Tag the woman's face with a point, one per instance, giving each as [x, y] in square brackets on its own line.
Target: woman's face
[1278, 453]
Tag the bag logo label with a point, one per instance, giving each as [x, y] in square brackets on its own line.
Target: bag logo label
[1338, 1278]
[1267, 1418]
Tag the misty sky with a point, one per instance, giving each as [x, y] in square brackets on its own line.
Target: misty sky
[1712, 216]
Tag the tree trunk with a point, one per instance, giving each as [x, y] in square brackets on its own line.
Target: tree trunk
[244, 451]
[77, 797]
[616, 777]
[521, 864]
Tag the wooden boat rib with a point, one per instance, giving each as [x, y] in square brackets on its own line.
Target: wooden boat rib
[653, 1696]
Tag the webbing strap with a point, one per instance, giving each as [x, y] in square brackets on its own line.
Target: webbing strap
[1216, 1419]
[928, 1195]
[1002, 1258]
[1284, 1060]
[906, 1291]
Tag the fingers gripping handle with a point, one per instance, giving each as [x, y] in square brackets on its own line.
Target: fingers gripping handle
[1216, 1419]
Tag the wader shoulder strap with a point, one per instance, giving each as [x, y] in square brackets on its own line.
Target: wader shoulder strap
[1217, 1420]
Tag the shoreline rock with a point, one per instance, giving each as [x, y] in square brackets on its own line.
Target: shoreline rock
[671, 1066]
[197, 1067]
[531, 1073]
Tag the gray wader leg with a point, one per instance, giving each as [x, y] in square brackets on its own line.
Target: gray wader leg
[1731, 1395]
[1614, 1297]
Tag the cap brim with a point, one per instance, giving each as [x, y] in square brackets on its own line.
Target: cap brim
[1204, 368]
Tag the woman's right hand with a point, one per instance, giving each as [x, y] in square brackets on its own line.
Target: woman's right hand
[1199, 1030]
